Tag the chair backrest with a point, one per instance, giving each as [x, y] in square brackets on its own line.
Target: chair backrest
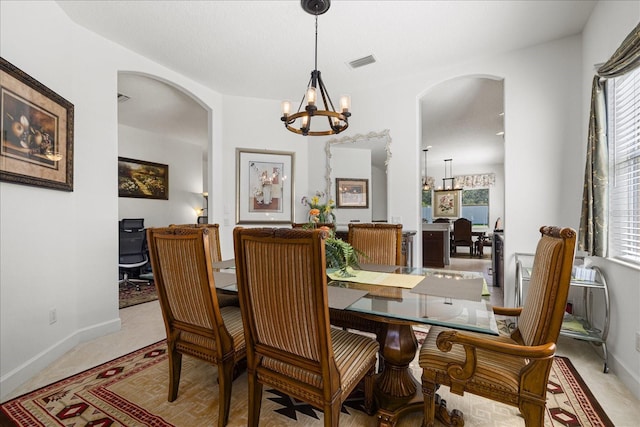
[381, 243]
[543, 310]
[462, 229]
[132, 224]
[203, 219]
[181, 262]
[213, 235]
[329, 225]
[131, 247]
[278, 269]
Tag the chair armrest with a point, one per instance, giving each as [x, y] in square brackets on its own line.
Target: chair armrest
[463, 372]
[507, 311]
[447, 338]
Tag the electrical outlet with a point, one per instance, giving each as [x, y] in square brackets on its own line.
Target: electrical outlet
[638, 342]
[53, 316]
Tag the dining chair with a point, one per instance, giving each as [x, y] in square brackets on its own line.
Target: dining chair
[224, 299]
[510, 369]
[379, 243]
[295, 350]
[462, 235]
[195, 323]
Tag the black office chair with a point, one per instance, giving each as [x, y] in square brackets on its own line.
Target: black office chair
[132, 251]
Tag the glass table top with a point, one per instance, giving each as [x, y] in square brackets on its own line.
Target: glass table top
[401, 303]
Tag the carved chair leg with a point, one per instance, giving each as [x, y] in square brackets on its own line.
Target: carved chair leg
[532, 413]
[225, 378]
[175, 366]
[429, 393]
[368, 392]
[332, 413]
[255, 400]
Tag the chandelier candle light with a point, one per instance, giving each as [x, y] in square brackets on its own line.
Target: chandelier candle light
[337, 120]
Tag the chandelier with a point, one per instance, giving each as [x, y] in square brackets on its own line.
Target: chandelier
[448, 182]
[336, 121]
[425, 183]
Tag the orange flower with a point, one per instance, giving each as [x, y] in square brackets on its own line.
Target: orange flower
[325, 228]
[314, 212]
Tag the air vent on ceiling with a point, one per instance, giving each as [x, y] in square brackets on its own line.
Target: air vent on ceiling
[357, 63]
[122, 97]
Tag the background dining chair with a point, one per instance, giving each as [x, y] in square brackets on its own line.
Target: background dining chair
[196, 325]
[462, 235]
[380, 243]
[295, 350]
[509, 369]
[224, 298]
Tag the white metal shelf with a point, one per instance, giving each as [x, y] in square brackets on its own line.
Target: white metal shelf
[577, 327]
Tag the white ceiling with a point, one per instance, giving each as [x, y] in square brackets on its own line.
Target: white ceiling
[264, 49]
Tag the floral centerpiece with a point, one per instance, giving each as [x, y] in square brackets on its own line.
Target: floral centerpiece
[339, 254]
[320, 208]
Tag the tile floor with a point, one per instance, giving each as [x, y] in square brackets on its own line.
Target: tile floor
[143, 325]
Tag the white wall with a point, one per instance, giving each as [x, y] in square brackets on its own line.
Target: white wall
[185, 178]
[59, 249]
[601, 39]
[378, 191]
[266, 132]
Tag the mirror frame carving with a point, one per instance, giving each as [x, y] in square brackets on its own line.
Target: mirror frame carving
[384, 136]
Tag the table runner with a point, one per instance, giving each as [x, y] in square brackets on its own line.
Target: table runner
[407, 281]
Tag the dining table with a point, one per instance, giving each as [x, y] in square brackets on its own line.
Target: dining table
[389, 301]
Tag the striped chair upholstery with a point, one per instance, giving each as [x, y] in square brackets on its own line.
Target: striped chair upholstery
[224, 299]
[194, 321]
[282, 284]
[380, 242]
[510, 369]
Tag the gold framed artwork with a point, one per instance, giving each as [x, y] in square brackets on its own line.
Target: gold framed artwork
[264, 186]
[37, 132]
[142, 180]
[446, 203]
[352, 193]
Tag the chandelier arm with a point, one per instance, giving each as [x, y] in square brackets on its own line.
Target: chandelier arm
[305, 94]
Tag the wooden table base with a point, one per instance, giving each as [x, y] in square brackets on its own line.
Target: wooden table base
[397, 392]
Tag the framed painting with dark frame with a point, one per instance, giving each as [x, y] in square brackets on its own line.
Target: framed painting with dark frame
[37, 132]
[264, 186]
[142, 180]
[446, 203]
[352, 193]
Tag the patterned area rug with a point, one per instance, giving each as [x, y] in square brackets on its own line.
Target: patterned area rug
[132, 391]
[130, 295]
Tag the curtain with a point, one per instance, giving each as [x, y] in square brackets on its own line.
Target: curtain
[593, 236]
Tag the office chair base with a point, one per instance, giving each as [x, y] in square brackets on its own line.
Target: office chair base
[133, 282]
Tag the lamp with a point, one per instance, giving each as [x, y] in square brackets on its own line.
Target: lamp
[425, 182]
[337, 121]
[205, 206]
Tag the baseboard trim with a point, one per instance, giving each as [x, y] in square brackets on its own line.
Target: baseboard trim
[628, 378]
[18, 376]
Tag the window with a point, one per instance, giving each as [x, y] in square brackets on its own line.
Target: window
[427, 212]
[475, 206]
[623, 131]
